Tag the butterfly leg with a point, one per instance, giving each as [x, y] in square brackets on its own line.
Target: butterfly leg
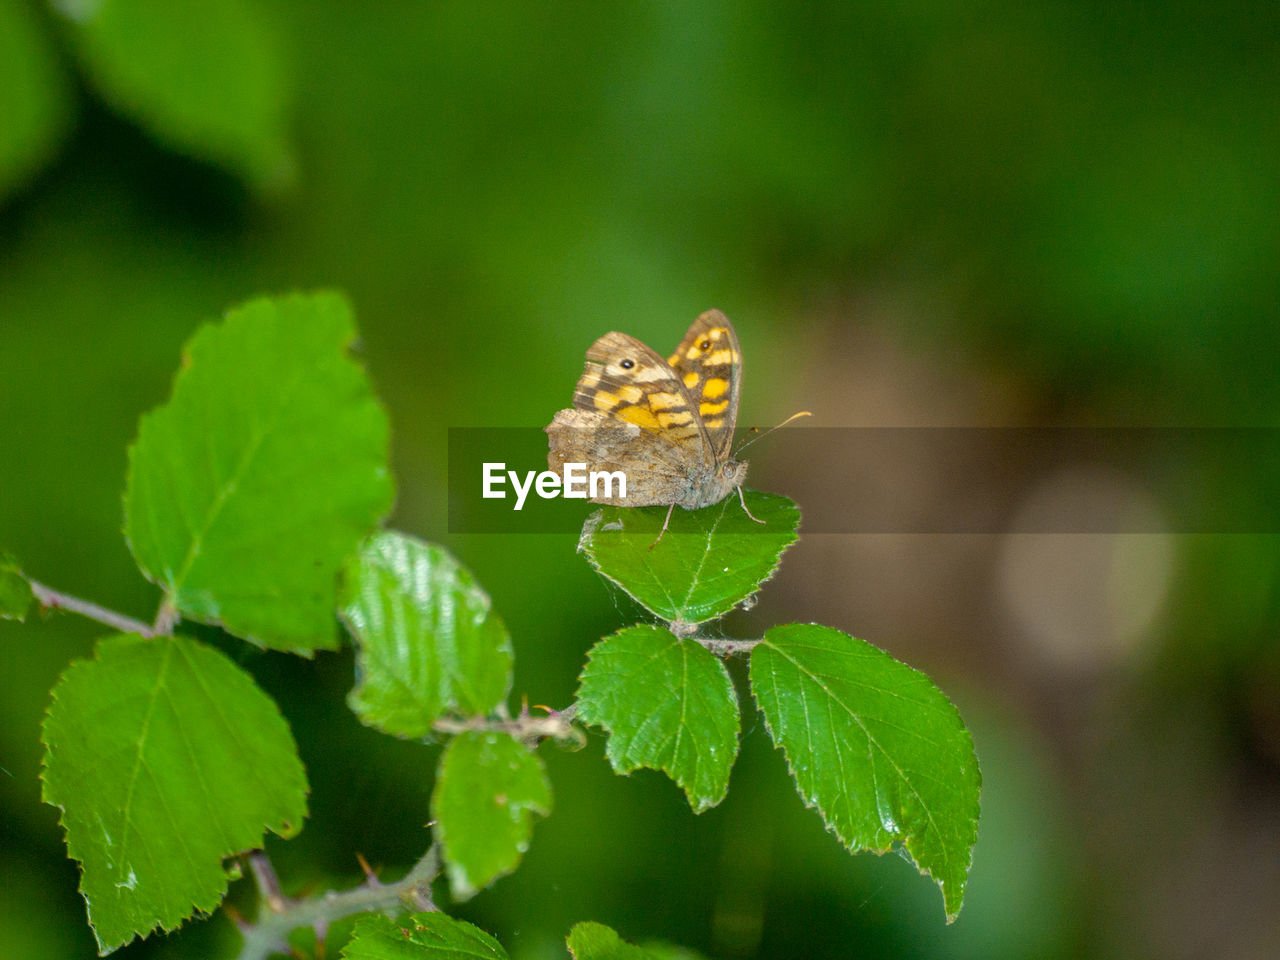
[742, 499]
[664, 526]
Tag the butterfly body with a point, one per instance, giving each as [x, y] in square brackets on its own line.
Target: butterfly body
[667, 424]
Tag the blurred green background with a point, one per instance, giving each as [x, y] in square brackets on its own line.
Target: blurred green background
[933, 214]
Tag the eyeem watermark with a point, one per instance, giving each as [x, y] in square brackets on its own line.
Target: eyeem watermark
[576, 484]
[1203, 480]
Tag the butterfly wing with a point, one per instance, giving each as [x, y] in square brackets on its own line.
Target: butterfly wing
[632, 413]
[657, 471]
[708, 363]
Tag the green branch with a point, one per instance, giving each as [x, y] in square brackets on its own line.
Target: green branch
[527, 728]
[51, 599]
[278, 915]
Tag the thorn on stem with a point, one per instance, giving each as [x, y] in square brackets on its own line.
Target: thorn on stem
[268, 884]
[370, 877]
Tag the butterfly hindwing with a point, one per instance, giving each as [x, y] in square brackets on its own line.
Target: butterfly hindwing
[656, 470]
[708, 363]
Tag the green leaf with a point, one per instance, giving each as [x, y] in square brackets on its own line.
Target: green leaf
[488, 788]
[35, 99]
[252, 486]
[707, 562]
[205, 79]
[427, 640]
[875, 746]
[595, 941]
[165, 757]
[668, 705]
[15, 591]
[420, 936]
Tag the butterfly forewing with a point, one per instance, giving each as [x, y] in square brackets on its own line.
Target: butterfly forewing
[631, 382]
[708, 363]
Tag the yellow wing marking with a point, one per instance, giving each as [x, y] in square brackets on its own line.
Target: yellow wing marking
[677, 418]
[640, 417]
[715, 387]
[664, 401]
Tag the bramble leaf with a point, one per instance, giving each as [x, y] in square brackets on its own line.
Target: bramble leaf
[255, 482]
[668, 705]
[35, 96]
[595, 941]
[875, 746]
[427, 640]
[165, 757]
[206, 79]
[15, 591]
[420, 936]
[487, 791]
[707, 562]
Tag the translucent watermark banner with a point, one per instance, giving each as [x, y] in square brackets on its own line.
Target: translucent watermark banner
[915, 480]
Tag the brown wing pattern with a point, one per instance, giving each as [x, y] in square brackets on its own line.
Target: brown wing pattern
[708, 363]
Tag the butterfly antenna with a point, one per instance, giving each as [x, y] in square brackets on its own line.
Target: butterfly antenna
[760, 436]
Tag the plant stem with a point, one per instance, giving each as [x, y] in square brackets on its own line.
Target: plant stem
[556, 725]
[726, 648]
[166, 617]
[278, 915]
[51, 599]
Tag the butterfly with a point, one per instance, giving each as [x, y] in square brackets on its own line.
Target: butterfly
[667, 424]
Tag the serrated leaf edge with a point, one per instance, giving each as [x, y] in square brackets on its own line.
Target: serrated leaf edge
[460, 881]
[812, 803]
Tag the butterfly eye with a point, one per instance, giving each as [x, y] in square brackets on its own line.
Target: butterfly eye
[627, 364]
[705, 345]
